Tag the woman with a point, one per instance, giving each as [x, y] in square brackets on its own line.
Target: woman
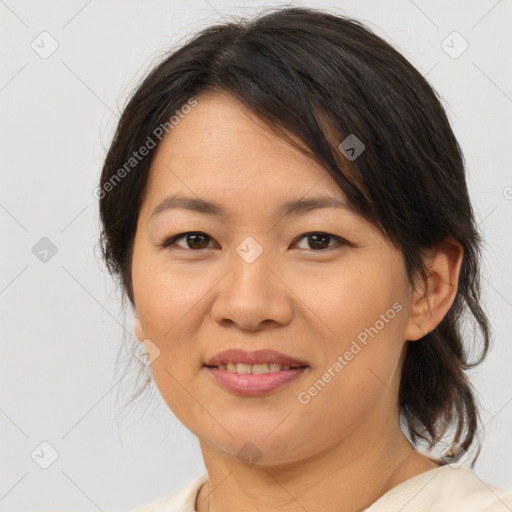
[285, 207]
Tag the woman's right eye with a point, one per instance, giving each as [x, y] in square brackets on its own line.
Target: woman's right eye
[193, 240]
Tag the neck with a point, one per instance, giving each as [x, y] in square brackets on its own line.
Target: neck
[344, 476]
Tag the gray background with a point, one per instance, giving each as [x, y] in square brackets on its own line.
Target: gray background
[61, 320]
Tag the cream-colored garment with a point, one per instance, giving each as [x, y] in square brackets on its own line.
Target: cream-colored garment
[449, 488]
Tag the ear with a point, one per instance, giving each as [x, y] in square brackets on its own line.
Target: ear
[138, 329]
[434, 297]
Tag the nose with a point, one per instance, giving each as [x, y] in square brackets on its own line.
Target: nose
[253, 296]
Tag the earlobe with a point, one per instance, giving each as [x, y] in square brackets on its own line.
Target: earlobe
[138, 329]
[434, 298]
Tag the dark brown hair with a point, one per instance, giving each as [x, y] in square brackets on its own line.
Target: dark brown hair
[323, 77]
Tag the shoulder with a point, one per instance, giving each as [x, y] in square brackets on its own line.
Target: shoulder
[182, 500]
[451, 487]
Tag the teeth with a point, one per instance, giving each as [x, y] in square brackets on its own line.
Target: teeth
[243, 368]
[259, 368]
[253, 368]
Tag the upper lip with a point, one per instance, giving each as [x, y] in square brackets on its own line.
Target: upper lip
[262, 356]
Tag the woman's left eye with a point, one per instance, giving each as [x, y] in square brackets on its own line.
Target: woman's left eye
[317, 240]
[320, 240]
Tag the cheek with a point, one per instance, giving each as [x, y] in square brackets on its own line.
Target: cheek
[359, 370]
[351, 299]
[168, 305]
[364, 315]
[172, 305]
[167, 298]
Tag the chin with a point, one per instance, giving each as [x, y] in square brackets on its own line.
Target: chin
[257, 447]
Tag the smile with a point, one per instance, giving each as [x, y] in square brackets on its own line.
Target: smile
[254, 380]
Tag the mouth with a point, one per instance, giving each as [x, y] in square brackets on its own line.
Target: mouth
[255, 369]
[254, 380]
[259, 361]
[253, 373]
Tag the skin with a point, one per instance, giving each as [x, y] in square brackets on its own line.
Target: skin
[344, 448]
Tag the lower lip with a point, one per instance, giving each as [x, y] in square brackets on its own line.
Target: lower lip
[252, 384]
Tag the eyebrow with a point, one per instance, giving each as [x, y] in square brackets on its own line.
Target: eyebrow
[293, 207]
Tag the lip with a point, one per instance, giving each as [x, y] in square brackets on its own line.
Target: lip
[236, 355]
[252, 384]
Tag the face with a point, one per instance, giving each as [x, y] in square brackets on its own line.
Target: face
[321, 286]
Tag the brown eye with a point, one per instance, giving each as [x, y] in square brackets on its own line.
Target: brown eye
[319, 241]
[193, 240]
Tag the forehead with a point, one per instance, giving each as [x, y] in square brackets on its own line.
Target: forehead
[222, 151]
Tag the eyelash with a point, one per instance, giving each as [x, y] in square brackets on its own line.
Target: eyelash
[170, 241]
